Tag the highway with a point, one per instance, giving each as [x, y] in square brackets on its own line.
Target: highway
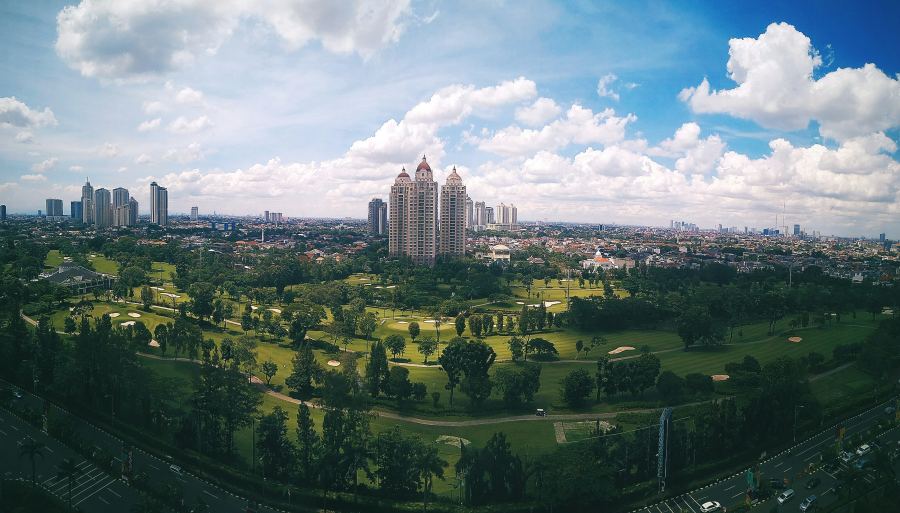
[790, 466]
[104, 494]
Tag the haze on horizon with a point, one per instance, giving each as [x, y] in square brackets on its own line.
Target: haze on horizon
[629, 114]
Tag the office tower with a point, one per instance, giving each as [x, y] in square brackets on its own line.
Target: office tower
[797, 230]
[195, 213]
[480, 214]
[513, 215]
[470, 213]
[266, 216]
[159, 205]
[133, 211]
[489, 215]
[378, 217]
[119, 197]
[102, 208]
[453, 216]
[54, 207]
[413, 223]
[87, 202]
[881, 237]
[75, 211]
[2, 212]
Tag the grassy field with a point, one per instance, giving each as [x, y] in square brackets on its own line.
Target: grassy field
[53, 259]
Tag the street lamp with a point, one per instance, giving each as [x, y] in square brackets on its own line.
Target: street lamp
[796, 409]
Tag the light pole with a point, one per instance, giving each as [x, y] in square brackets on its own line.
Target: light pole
[797, 408]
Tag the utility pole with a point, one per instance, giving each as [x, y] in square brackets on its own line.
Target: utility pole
[796, 409]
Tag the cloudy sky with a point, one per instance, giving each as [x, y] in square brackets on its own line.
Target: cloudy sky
[622, 113]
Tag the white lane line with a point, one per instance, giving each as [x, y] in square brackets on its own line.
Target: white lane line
[14, 427]
[101, 480]
[686, 503]
[98, 490]
[788, 469]
[114, 493]
[737, 495]
[729, 488]
[693, 499]
[4, 432]
[816, 455]
[211, 495]
[779, 464]
[669, 507]
[48, 448]
[104, 500]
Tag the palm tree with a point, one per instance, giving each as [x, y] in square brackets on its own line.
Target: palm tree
[31, 448]
[69, 471]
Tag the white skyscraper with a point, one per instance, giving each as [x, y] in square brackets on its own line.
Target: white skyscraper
[103, 216]
[195, 213]
[453, 216]
[413, 223]
[87, 203]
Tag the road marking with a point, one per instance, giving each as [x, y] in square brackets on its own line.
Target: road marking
[779, 464]
[153, 466]
[816, 455]
[211, 495]
[98, 490]
[104, 500]
[4, 432]
[737, 495]
[729, 488]
[114, 493]
[14, 427]
[48, 448]
[693, 499]
[686, 503]
[787, 470]
[670, 507]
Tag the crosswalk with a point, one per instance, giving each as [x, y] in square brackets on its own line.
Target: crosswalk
[90, 481]
[682, 504]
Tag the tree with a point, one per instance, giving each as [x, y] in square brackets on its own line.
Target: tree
[31, 449]
[579, 346]
[146, 298]
[500, 318]
[69, 471]
[202, 294]
[492, 473]
[306, 371]
[460, 324]
[398, 383]
[696, 325]
[576, 387]
[475, 326]
[604, 376]
[670, 385]
[477, 358]
[247, 321]
[516, 348]
[377, 369]
[542, 349]
[269, 369]
[519, 383]
[427, 346]
[413, 330]
[161, 334]
[427, 465]
[396, 344]
[367, 324]
[276, 452]
[306, 316]
[141, 336]
[452, 362]
[69, 325]
[308, 443]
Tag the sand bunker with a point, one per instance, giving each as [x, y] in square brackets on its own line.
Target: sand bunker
[378, 287]
[520, 303]
[254, 307]
[127, 323]
[402, 322]
[157, 288]
[720, 377]
[795, 339]
[452, 440]
[153, 343]
[114, 315]
[551, 303]
[276, 310]
[71, 308]
[621, 349]
[363, 279]
[333, 363]
[169, 294]
[134, 315]
[367, 284]
[391, 287]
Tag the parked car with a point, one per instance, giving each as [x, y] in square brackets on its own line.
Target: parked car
[710, 507]
[17, 394]
[813, 482]
[889, 410]
[847, 456]
[540, 412]
[175, 469]
[808, 503]
[863, 449]
[861, 463]
[785, 496]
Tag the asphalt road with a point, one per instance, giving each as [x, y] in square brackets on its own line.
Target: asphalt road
[114, 495]
[791, 466]
[93, 491]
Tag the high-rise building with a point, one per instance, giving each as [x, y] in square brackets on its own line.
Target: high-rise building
[453, 216]
[489, 215]
[2, 212]
[413, 223]
[133, 211]
[797, 230]
[75, 211]
[513, 215]
[881, 237]
[195, 213]
[102, 208]
[470, 213]
[159, 205]
[378, 217]
[120, 197]
[266, 215]
[480, 214]
[54, 207]
[87, 202]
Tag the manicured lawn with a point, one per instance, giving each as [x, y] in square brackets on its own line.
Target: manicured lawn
[842, 385]
[53, 259]
[103, 264]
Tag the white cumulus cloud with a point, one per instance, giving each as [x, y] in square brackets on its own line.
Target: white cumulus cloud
[538, 113]
[183, 125]
[45, 165]
[150, 124]
[776, 88]
[15, 113]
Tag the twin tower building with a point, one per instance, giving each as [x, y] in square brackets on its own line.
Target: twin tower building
[423, 225]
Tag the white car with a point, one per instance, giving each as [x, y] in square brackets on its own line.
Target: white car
[863, 449]
[785, 496]
[710, 507]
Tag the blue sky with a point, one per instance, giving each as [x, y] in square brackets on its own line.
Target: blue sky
[572, 111]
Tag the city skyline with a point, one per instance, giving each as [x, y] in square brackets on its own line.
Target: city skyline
[624, 136]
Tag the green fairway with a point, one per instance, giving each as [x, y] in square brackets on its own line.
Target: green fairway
[53, 259]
